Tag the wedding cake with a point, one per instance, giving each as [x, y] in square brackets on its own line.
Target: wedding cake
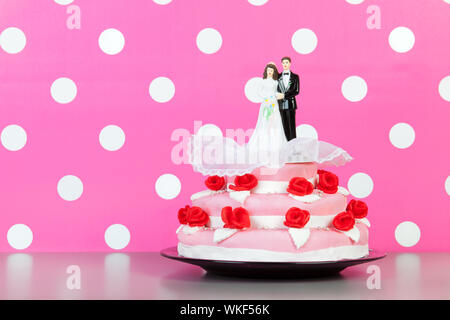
[293, 211]
[270, 199]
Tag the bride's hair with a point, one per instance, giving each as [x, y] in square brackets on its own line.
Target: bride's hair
[275, 71]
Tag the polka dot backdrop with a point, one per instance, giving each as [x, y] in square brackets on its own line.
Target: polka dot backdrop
[91, 100]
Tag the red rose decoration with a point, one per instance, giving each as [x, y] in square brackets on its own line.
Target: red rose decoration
[237, 218]
[296, 218]
[215, 183]
[245, 182]
[344, 221]
[300, 186]
[182, 213]
[328, 182]
[358, 208]
[196, 217]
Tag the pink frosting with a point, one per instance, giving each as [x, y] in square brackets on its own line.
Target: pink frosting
[272, 204]
[276, 240]
[287, 172]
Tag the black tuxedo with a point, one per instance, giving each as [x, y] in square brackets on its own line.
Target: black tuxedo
[288, 105]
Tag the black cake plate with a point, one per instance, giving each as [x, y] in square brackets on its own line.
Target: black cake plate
[256, 269]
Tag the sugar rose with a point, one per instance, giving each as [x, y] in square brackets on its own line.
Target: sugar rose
[237, 218]
[358, 208]
[300, 186]
[196, 217]
[246, 182]
[182, 213]
[296, 218]
[215, 183]
[344, 221]
[328, 182]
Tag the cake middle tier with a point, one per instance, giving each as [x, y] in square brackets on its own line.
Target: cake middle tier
[269, 210]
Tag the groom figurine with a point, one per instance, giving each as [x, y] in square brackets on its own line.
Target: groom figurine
[288, 88]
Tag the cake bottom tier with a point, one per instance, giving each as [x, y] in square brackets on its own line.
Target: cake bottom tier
[274, 246]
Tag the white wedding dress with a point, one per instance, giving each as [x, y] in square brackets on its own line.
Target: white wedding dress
[268, 138]
[267, 147]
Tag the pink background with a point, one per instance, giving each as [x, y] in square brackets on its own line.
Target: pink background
[119, 186]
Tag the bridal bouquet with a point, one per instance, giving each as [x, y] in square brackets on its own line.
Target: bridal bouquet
[269, 106]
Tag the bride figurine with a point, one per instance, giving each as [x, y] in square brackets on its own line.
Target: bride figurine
[268, 137]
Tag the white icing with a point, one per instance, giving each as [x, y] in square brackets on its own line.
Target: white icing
[353, 234]
[267, 186]
[309, 198]
[222, 234]
[179, 228]
[343, 191]
[276, 222]
[216, 222]
[190, 230]
[267, 222]
[242, 254]
[239, 196]
[204, 193]
[299, 236]
[365, 221]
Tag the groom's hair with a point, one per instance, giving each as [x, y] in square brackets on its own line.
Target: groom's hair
[286, 58]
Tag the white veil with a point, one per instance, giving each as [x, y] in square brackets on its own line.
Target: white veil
[217, 155]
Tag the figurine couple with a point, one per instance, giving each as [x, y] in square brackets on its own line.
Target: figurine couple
[274, 142]
[276, 120]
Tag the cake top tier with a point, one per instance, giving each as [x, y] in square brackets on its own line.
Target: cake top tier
[305, 170]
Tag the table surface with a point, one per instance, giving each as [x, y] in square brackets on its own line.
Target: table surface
[150, 276]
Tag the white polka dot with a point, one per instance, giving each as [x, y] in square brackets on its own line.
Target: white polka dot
[402, 135]
[210, 130]
[307, 131]
[63, 90]
[111, 41]
[12, 40]
[168, 186]
[117, 236]
[447, 1]
[209, 40]
[258, 2]
[162, 89]
[447, 185]
[112, 137]
[401, 39]
[354, 88]
[162, 2]
[63, 2]
[251, 89]
[407, 234]
[19, 236]
[13, 137]
[444, 88]
[304, 41]
[355, 1]
[360, 185]
[70, 188]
